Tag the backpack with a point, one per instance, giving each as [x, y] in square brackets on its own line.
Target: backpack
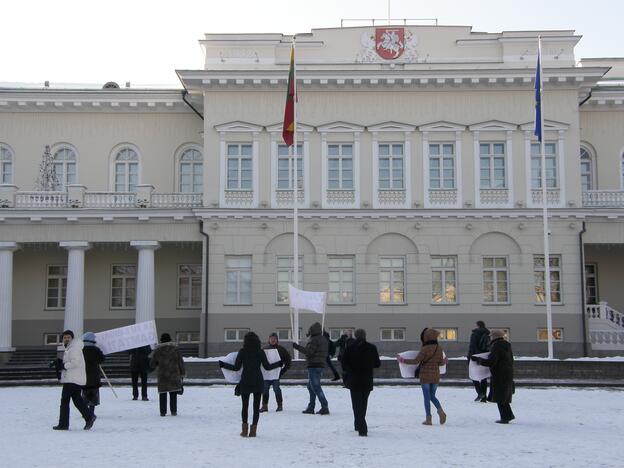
[484, 343]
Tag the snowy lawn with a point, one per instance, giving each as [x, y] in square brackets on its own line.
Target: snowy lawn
[554, 427]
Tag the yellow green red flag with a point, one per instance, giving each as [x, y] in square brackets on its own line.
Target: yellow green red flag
[288, 130]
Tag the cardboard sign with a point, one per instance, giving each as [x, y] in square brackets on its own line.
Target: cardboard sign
[408, 370]
[124, 338]
[229, 375]
[477, 372]
[272, 356]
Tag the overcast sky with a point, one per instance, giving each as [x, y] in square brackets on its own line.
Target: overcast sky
[88, 41]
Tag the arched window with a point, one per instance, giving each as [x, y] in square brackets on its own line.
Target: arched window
[191, 171]
[6, 165]
[126, 170]
[587, 170]
[65, 167]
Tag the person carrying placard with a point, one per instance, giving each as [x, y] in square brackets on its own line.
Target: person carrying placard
[286, 360]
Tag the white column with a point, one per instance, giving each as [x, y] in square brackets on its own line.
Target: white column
[74, 302]
[6, 294]
[145, 292]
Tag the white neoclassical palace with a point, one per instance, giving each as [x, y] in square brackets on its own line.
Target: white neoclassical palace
[419, 193]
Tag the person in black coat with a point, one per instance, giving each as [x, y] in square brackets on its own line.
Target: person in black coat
[359, 360]
[139, 367]
[250, 358]
[331, 351]
[93, 357]
[479, 343]
[500, 363]
[345, 340]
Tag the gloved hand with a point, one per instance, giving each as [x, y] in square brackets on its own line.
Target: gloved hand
[296, 345]
[59, 364]
[280, 363]
[476, 359]
[221, 364]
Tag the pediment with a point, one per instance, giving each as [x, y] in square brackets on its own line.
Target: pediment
[549, 125]
[238, 126]
[391, 127]
[338, 127]
[442, 126]
[277, 127]
[493, 126]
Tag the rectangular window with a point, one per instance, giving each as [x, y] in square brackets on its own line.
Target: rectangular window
[341, 280]
[285, 276]
[550, 151]
[591, 283]
[189, 286]
[52, 339]
[492, 165]
[392, 280]
[336, 333]
[442, 166]
[555, 278]
[238, 280]
[447, 334]
[56, 287]
[557, 334]
[235, 334]
[187, 337]
[286, 167]
[392, 334]
[285, 334]
[6, 168]
[391, 166]
[495, 280]
[340, 166]
[443, 280]
[123, 286]
[239, 167]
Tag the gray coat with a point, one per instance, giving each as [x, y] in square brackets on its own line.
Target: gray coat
[168, 360]
[317, 347]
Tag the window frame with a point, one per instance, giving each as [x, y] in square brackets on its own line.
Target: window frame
[391, 157]
[189, 337]
[594, 275]
[240, 334]
[58, 342]
[444, 332]
[444, 270]
[288, 335]
[556, 331]
[61, 298]
[124, 286]
[393, 331]
[340, 157]
[589, 159]
[557, 269]
[64, 164]
[193, 164]
[495, 289]
[440, 158]
[536, 160]
[291, 166]
[239, 158]
[7, 157]
[341, 331]
[492, 157]
[341, 283]
[290, 270]
[180, 276]
[238, 270]
[391, 288]
[127, 185]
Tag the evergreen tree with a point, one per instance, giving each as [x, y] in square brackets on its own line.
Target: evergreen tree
[47, 181]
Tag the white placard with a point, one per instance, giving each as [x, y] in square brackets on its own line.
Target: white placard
[443, 366]
[408, 370]
[230, 375]
[477, 372]
[272, 356]
[124, 338]
[307, 300]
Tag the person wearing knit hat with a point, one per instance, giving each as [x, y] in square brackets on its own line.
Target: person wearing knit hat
[93, 357]
[500, 362]
[286, 360]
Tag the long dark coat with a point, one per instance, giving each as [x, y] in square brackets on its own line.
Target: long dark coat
[93, 357]
[250, 358]
[342, 344]
[139, 359]
[359, 360]
[476, 341]
[168, 359]
[500, 363]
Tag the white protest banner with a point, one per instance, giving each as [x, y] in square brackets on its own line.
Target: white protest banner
[229, 375]
[443, 366]
[308, 300]
[477, 372]
[124, 338]
[272, 356]
[408, 370]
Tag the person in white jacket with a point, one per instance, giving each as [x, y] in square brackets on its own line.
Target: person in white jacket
[73, 378]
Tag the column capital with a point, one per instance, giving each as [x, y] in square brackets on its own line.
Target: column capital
[145, 245]
[11, 246]
[69, 245]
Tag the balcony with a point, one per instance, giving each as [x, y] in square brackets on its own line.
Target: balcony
[603, 199]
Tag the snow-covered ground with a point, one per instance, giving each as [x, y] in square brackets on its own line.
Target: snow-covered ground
[554, 427]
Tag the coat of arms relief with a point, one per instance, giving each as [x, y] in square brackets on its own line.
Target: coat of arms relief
[388, 44]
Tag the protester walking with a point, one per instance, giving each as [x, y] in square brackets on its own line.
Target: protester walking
[479, 343]
[345, 340]
[286, 362]
[315, 351]
[500, 362]
[168, 360]
[73, 378]
[360, 358]
[429, 360]
[250, 358]
[93, 357]
[331, 352]
[139, 367]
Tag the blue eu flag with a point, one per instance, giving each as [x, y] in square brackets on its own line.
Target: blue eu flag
[538, 98]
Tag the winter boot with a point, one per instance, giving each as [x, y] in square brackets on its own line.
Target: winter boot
[324, 411]
[308, 410]
[264, 408]
[244, 430]
[252, 430]
[442, 415]
[427, 421]
[279, 403]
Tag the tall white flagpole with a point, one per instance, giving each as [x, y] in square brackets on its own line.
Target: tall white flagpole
[294, 151]
[545, 211]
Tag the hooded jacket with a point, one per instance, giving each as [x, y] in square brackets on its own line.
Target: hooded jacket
[430, 358]
[317, 347]
[74, 364]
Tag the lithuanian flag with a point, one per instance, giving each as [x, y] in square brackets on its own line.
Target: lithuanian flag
[288, 131]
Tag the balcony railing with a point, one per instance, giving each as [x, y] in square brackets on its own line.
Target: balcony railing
[603, 199]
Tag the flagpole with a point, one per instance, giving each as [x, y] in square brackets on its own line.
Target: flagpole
[293, 149]
[547, 291]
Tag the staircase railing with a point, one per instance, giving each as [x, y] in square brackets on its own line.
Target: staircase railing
[602, 311]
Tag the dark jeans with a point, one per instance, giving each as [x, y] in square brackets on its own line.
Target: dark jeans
[135, 384]
[72, 392]
[276, 388]
[505, 411]
[481, 387]
[359, 403]
[314, 387]
[173, 402]
[256, 407]
[332, 368]
[429, 391]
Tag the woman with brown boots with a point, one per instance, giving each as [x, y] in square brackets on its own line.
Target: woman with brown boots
[250, 358]
[429, 359]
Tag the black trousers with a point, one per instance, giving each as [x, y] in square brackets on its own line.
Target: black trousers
[481, 387]
[173, 402]
[330, 364]
[359, 403]
[505, 411]
[256, 407]
[135, 384]
[72, 392]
